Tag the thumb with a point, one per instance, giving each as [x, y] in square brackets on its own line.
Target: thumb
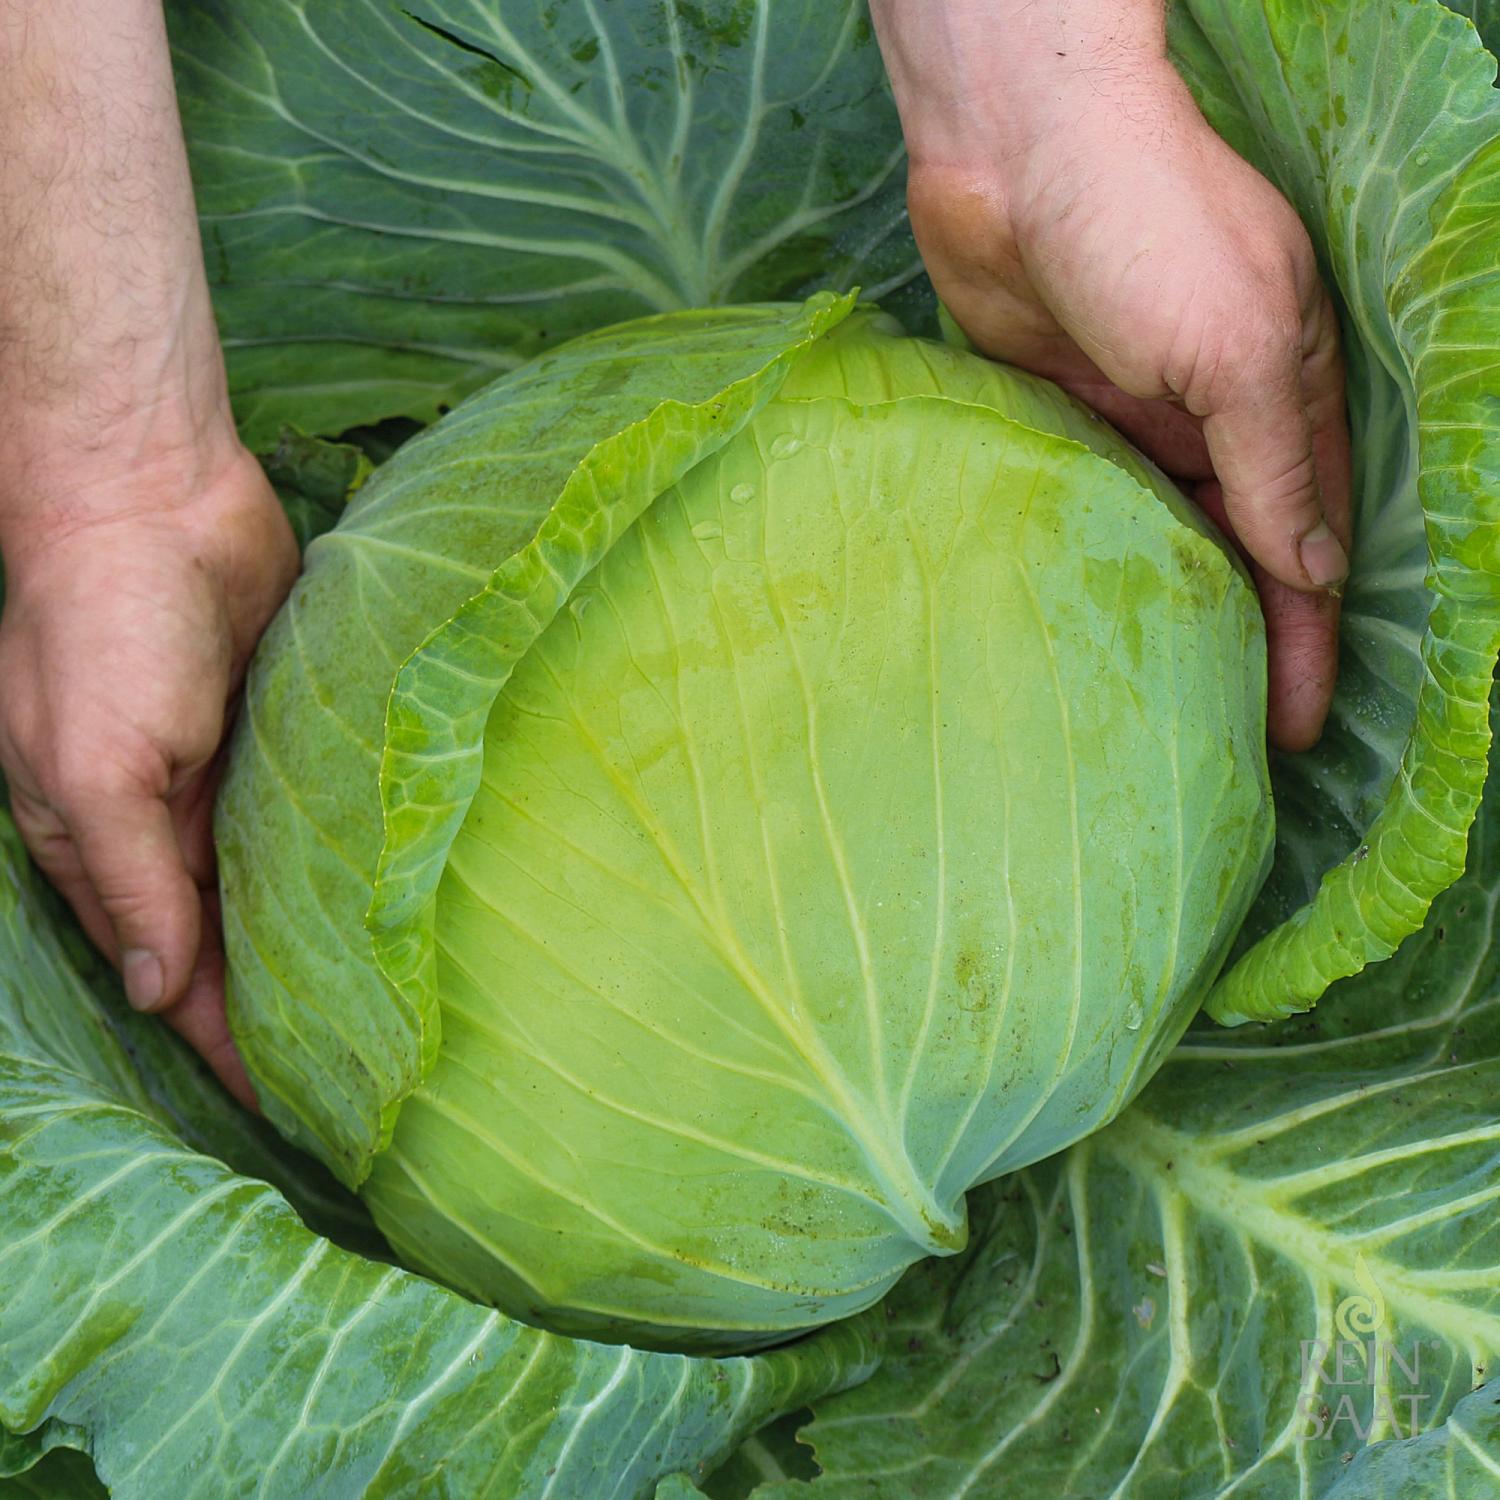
[129, 852]
[1261, 443]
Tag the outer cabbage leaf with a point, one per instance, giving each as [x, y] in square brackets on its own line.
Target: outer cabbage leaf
[174, 1318]
[1485, 14]
[313, 480]
[1380, 123]
[401, 199]
[1457, 1461]
[62, 1474]
[773, 1453]
[51, 984]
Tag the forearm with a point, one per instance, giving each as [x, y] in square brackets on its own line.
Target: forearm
[989, 75]
[108, 351]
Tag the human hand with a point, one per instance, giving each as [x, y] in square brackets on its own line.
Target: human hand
[125, 636]
[144, 550]
[1078, 217]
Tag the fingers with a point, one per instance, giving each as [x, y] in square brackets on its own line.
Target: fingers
[1281, 450]
[123, 636]
[150, 907]
[1275, 433]
[198, 1017]
[52, 847]
[1323, 390]
[1167, 435]
[128, 853]
[1302, 632]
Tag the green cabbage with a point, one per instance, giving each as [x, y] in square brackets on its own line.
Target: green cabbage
[824, 771]
[192, 1309]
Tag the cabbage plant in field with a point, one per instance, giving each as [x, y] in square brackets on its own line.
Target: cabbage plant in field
[1273, 1273]
[794, 772]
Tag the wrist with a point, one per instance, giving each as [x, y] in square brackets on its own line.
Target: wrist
[125, 424]
[116, 370]
[159, 467]
[981, 83]
[109, 365]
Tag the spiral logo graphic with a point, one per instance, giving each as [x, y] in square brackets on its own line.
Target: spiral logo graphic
[1363, 1312]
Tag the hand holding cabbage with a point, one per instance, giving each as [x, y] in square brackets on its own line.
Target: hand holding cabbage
[1079, 218]
[144, 550]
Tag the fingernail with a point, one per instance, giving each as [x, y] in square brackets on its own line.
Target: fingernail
[1323, 558]
[141, 970]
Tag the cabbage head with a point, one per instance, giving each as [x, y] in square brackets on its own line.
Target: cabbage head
[728, 788]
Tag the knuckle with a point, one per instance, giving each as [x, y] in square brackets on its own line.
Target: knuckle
[88, 767]
[74, 776]
[128, 905]
[48, 840]
[1290, 486]
[1253, 351]
[1270, 345]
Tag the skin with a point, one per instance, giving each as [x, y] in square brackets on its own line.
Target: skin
[1079, 218]
[144, 551]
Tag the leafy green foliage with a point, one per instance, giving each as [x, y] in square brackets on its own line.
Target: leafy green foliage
[314, 480]
[63, 1474]
[402, 200]
[773, 1453]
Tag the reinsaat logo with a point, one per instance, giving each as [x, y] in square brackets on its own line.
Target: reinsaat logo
[1363, 1381]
